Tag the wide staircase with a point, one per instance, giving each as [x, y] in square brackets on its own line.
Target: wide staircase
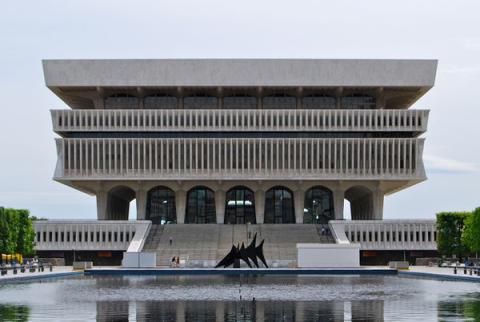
[205, 245]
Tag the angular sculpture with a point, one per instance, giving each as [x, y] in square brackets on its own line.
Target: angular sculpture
[247, 254]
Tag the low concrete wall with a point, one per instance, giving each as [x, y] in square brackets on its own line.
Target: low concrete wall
[328, 255]
[139, 260]
[82, 265]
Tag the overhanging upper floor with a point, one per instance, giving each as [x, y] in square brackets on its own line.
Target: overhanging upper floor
[395, 83]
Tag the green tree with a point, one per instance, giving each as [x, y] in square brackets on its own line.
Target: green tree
[449, 233]
[471, 232]
[16, 232]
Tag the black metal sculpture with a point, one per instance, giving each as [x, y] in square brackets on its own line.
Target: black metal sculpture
[250, 253]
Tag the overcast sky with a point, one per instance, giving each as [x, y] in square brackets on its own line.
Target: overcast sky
[434, 29]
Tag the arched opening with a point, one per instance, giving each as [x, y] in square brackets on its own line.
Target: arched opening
[361, 203]
[118, 203]
[240, 206]
[200, 206]
[279, 206]
[161, 206]
[319, 208]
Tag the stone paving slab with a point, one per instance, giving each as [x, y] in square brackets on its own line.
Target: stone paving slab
[58, 271]
[439, 273]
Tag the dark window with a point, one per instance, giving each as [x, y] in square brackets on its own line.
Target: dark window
[358, 102]
[161, 206]
[240, 206]
[318, 206]
[279, 206]
[319, 102]
[200, 206]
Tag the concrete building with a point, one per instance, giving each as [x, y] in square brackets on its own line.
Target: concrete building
[239, 141]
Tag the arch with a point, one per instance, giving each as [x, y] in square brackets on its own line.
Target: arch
[279, 208]
[358, 102]
[200, 206]
[121, 101]
[361, 202]
[318, 206]
[118, 202]
[161, 206]
[240, 206]
[319, 101]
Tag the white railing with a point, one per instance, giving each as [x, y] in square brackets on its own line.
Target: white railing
[168, 120]
[386, 234]
[259, 158]
[57, 235]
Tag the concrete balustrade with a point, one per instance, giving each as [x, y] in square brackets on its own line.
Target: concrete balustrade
[167, 120]
[114, 235]
[259, 158]
[386, 234]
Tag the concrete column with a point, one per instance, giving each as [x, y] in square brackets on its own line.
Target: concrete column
[259, 206]
[378, 197]
[220, 206]
[102, 198]
[99, 103]
[180, 316]
[299, 199]
[338, 201]
[180, 205]
[219, 311]
[259, 311]
[141, 198]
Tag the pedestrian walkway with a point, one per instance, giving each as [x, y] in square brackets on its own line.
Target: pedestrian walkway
[440, 273]
[58, 271]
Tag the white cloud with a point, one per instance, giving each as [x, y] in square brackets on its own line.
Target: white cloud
[438, 163]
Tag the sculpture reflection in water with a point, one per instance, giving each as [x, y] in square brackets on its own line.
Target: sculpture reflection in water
[246, 254]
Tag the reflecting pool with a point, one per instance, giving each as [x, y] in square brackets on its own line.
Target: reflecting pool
[220, 298]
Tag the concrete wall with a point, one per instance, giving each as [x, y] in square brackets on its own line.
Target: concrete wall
[328, 255]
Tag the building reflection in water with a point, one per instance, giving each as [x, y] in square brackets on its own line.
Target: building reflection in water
[241, 311]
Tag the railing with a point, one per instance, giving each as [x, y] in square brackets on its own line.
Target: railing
[181, 158]
[56, 235]
[387, 234]
[239, 120]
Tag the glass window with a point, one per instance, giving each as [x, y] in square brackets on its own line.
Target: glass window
[240, 206]
[319, 102]
[358, 102]
[318, 206]
[161, 206]
[200, 206]
[279, 206]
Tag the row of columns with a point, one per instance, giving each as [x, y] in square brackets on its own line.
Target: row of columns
[373, 211]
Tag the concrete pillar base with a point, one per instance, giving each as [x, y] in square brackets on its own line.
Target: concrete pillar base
[180, 205]
[260, 206]
[220, 206]
[299, 198]
[338, 203]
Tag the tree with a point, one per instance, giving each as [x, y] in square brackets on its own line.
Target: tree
[471, 232]
[449, 233]
[16, 232]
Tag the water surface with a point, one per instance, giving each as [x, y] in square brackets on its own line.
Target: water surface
[227, 298]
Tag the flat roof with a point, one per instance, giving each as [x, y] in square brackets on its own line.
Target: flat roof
[240, 72]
